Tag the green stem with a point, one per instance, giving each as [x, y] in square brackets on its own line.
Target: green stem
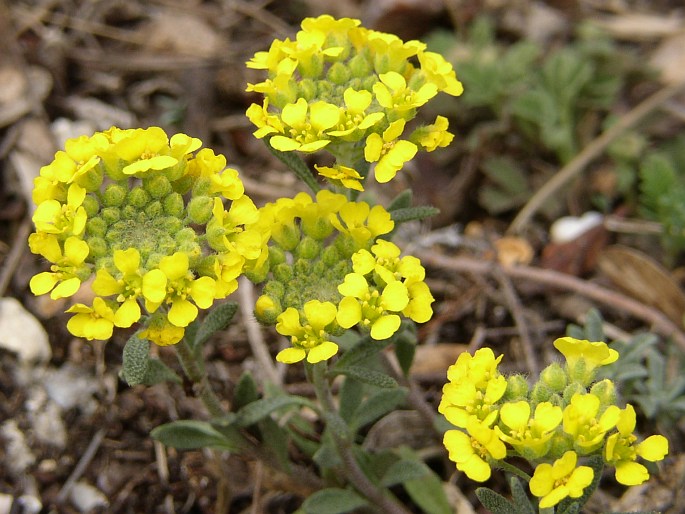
[383, 499]
[513, 470]
[195, 371]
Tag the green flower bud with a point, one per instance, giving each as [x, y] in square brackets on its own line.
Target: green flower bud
[138, 197]
[191, 248]
[317, 227]
[554, 377]
[285, 95]
[330, 256]
[96, 227]
[91, 205]
[170, 225]
[359, 67]
[276, 256]
[111, 215]
[311, 67]
[325, 89]
[517, 388]
[308, 248]
[283, 273]
[158, 186]
[571, 389]
[202, 187]
[185, 235]
[274, 288]
[606, 392]
[540, 393]
[98, 247]
[338, 73]
[307, 89]
[215, 238]
[154, 209]
[267, 310]
[173, 205]
[92, 180]
[368, 82]
[287, 237]
[302, 267]
[258, 274]
[183, 184]
[200, 209]
[129, 212]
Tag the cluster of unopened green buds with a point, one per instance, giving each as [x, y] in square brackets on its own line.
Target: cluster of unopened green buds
[561, 420]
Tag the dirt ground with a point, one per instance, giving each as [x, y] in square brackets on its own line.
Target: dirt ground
[75, 438]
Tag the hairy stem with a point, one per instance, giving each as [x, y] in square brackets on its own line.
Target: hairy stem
[195, 371]
[383, 499]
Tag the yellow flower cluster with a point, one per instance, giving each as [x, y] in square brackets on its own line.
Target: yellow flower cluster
[563, 418]
[350, 90]
[328, 271]
[140, 219]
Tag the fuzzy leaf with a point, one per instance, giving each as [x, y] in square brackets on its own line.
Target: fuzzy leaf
[217, 319]
[260, 409]
[333, 501]
[364, 350]
[403, 470]
[427, 492]
[401, 201]
[367, 376]
[135, 360]
[245, 391]
[376, 406]
[522, 503]
[293, 161]
[413, 213]
[494, 502]
[158, 372]
[192, 434]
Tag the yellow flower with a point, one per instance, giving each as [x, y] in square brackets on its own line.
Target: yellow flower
[54, 217]
[372, 309]
[622, 452]
[96, 322]
[393, 94]
[354, 117]
[173, 283]
[433, 136]
[127, 288]
[388, 151]
[310, 339]
[266, 123]
[583, 357]
[479, 368]
[361, 222]
[68, 269]
[473, 451]
[554, 482]
[161, 332]
[462, 400]
[305, 125]
[440, 72]
[583, 425]
[531, 437]
[342, 175]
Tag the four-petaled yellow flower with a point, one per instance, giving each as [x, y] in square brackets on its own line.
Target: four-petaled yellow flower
[310, 339]
[622, 451]
[582, 423]
[474, 450]
[554, 482]
[64, 279]
[388, 151]
[305, 126]
[583, 357]
[95, 322]
[531, 437]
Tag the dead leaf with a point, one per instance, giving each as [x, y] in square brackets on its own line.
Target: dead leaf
[183, 33]
[644, 279]
[513, 250]
[669, 59]
[435, 359]
[641, 26]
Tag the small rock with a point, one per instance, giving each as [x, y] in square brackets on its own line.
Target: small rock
[85, 497]
[70, 386]
[18, 453]
[21, 333]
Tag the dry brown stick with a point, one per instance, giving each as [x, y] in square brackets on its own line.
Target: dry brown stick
[590, 152]
[554, 279]
[514, 304]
